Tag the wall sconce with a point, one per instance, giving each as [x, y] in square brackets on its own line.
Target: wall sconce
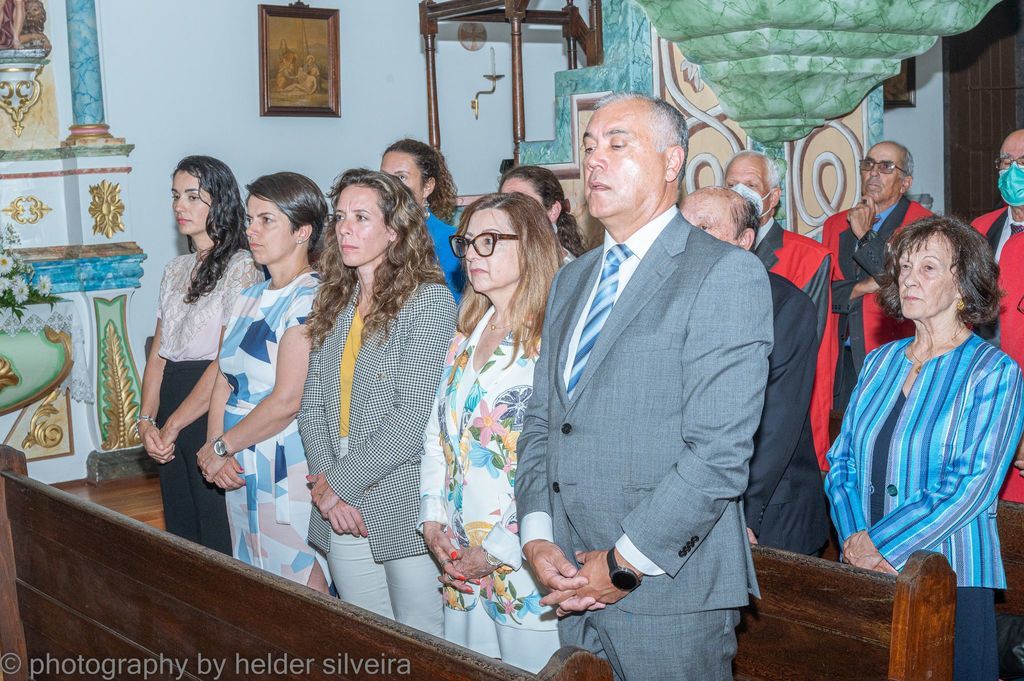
[494, 78]
[20, 88]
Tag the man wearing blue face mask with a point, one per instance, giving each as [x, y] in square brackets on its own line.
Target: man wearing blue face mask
[1003, 228]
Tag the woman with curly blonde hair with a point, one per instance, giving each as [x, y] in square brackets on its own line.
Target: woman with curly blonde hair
[424, 171]
[380, 327]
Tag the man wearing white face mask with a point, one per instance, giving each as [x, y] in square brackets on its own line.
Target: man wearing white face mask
[806, 264]
[1003, 228]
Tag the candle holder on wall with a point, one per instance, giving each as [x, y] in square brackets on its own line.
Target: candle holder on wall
[494, 77]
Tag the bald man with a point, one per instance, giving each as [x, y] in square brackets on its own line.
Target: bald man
[784, 503]
[1003, 228]
[857, 238]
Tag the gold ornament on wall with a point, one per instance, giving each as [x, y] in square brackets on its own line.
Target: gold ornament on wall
[7, 375]
[19, 91]
[27, 210]
[122, 407]
[106, 208]
[42, 433]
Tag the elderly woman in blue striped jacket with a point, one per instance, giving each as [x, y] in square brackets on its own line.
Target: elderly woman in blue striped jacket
[931, 429]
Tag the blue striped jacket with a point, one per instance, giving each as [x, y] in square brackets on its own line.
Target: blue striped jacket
[953, 442]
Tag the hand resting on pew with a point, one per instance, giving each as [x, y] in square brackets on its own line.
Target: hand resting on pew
[860, 551]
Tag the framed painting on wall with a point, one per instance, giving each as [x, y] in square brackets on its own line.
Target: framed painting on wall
[901, 89]
[300, 63]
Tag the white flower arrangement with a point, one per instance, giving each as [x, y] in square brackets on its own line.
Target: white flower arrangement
[16, 288]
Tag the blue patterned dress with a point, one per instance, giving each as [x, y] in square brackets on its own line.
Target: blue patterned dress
[269, 517]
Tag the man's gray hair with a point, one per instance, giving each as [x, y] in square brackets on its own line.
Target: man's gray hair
[670, 124]
[908, 158]
[773, 178]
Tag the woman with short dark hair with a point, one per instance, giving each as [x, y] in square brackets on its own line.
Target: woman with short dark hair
[931, 429]
[254, 450]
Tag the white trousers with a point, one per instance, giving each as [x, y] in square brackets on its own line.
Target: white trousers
[524, 648]
[405, 589]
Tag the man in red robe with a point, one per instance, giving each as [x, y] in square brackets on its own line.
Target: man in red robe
[1003, 228]
[857, 238]
[807, 265]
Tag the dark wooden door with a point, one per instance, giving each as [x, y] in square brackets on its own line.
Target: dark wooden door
[983, 102]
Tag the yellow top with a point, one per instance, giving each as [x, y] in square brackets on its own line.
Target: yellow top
[348, 368]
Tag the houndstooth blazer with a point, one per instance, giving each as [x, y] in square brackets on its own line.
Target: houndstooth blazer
[393, 389]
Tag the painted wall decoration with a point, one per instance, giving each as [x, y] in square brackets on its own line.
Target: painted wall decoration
[300, 62]
[27, 210]
[106, 208]
[43, 429]
[118, 388]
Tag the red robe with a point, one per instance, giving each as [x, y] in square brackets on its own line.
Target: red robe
[879, 328]
[1011, 316]
[799, 259]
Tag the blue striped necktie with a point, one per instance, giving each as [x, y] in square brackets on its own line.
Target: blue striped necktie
[599, 310]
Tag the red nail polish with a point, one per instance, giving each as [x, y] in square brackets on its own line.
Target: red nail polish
[454, 555]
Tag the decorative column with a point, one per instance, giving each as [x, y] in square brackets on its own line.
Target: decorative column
[86, 84]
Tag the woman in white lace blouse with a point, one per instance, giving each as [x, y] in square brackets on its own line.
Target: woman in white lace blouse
[196, 293]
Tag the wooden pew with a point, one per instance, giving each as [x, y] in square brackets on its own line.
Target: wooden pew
[818, 619]
[1011, 541]
[79, 580]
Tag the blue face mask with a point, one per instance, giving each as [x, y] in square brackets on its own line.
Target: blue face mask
[1011, 185]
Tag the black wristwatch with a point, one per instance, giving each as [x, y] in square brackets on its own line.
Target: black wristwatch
[623, 578]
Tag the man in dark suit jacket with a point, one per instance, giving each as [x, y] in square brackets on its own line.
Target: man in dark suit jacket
[784, 504]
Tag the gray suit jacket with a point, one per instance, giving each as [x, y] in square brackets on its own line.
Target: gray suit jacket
[657, 438]
[393, 392]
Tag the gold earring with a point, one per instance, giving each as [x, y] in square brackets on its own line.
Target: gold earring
[960, 305]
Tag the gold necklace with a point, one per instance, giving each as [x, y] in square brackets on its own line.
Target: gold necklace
[920, 362]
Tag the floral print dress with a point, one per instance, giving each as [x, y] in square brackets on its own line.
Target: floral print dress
[469, 471]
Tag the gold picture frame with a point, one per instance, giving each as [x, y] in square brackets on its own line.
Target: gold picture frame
[300, 61]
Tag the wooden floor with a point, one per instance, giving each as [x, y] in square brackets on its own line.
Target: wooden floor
[137, 498]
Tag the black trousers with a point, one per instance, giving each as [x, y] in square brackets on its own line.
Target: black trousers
[193, 508]
[975, 654]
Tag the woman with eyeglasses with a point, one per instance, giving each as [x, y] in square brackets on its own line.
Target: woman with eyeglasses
[422, 169]
[380, 327]
[254, 450]
[196, 293]
[468, 508]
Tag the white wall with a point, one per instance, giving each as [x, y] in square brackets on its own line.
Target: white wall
[921, 129]
[182, 78]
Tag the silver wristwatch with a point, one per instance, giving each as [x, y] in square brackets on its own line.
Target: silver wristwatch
[219, 448]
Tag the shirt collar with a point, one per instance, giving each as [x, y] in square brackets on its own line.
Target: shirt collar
[762, 232]
[642, 239]
[881, 217]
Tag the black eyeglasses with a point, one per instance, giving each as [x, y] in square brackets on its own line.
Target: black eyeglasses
[483, 243]
[884, 167]
[1003, 162]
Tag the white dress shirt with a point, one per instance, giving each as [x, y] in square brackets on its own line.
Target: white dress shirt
[1005, 226]
[762, 232]
[537, 525]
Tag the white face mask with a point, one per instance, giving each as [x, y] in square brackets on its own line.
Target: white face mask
[751, 195]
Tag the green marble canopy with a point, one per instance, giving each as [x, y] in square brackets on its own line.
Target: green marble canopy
[781, 68]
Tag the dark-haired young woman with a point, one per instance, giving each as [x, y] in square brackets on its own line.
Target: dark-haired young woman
[424, 171]
[541, 185]
[196, 291]
[254, 449]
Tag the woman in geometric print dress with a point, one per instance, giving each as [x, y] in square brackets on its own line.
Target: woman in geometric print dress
[468, 508]
[258, 455]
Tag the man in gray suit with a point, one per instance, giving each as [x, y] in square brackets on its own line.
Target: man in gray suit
[648, 390]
